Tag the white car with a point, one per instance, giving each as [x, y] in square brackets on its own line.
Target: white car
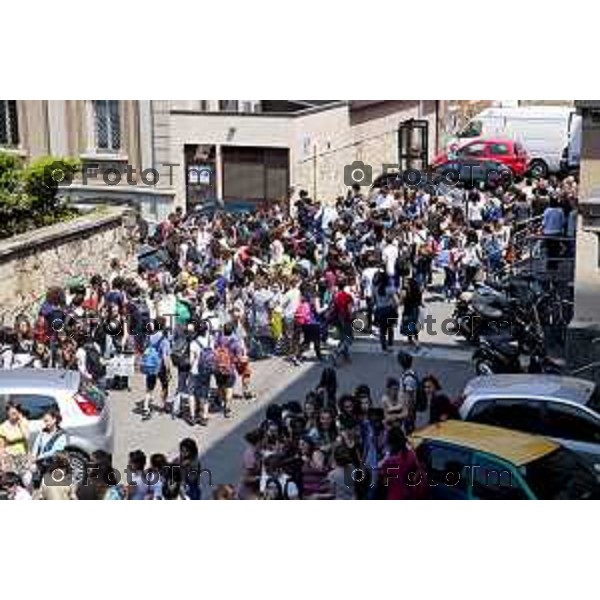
[84, 408]
[566, 409]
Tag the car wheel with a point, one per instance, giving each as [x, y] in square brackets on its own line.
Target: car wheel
[538, 169]
[484, 367]
[78, 461]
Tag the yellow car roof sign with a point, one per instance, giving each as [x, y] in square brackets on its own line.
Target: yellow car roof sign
[513, 446]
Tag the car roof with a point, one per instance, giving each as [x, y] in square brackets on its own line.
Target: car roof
[490, 140]
[473, 161]
[573, 389]
[513, 446]
[13, 380]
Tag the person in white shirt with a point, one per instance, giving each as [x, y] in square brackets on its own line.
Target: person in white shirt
[202, 239]
[366, 284]
[475, 212]
[183, 252]
[166, 305]
[81, 357]
[385, 200]
[328, 216]
[276, 251]
[389, 256]
[211, 315]
[290, 301]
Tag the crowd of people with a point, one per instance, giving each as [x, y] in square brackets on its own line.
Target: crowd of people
[236, 288]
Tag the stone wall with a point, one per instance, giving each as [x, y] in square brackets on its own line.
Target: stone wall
[34, 261]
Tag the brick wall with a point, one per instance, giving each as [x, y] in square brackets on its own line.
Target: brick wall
[34, 261]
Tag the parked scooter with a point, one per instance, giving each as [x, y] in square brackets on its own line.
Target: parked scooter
[499, 355]
[492, 306]
[502, 354]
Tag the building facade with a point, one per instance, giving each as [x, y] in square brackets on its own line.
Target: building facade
[255, 150]
[260, 153]
[107, 136]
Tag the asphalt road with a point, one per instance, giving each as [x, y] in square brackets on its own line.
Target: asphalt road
[221, 443]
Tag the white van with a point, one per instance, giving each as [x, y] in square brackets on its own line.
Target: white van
[572, 153]
[543, 130]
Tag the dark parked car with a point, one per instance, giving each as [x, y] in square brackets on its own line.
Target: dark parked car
[151, 258]
[474, 172]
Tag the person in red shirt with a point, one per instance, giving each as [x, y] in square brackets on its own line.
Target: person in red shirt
[400, 476]
[343, 306]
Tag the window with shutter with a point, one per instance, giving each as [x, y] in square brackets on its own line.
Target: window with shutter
[9, 125]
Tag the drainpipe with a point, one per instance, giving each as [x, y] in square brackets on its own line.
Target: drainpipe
[315, 173]
[437, 126]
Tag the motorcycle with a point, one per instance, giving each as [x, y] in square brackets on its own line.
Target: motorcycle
[498, 355]
[502, 354]
[491, 309]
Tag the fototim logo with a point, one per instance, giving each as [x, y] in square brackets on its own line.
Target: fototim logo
[451, 174]
[63, 174]
[358, 174]
[60, 173]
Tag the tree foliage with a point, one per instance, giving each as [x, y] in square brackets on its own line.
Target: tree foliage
[29, 195]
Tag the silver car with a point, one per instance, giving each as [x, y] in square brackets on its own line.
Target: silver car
[84, 408]
[566, 409]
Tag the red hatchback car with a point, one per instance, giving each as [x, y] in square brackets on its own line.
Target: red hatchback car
[508, 152]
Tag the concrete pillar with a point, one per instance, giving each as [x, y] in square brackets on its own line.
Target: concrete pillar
[57, 117]
[146, 134]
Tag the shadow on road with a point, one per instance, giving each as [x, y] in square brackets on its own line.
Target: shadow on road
[224, 457]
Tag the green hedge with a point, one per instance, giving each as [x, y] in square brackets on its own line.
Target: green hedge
[28, 194]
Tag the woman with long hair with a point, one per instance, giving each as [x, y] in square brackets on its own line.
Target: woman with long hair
[438, 405]
[326, 433]
[400, 476]
[23, 343]
[412, 300]
[385, 300]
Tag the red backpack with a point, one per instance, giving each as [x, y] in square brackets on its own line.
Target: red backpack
[303, 313]
[223, 360]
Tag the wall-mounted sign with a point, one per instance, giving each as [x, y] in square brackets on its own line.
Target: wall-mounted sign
[199, 174]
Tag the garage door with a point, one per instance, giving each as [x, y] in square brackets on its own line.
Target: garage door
[259, 174]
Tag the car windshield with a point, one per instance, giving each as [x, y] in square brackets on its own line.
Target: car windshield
[561, 475]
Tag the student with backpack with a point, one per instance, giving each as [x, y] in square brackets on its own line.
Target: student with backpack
[155, 364]
[410, 388]
[306, 320]
[226, 353]
[180, 358]
[202, 361]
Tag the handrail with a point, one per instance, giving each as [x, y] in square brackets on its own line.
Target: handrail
[591, 365]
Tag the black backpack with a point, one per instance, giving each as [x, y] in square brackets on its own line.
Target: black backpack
[402, 266]
[180, 353]
[93, 362]
[192, 254]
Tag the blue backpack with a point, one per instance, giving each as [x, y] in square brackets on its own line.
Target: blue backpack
[151, 359]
